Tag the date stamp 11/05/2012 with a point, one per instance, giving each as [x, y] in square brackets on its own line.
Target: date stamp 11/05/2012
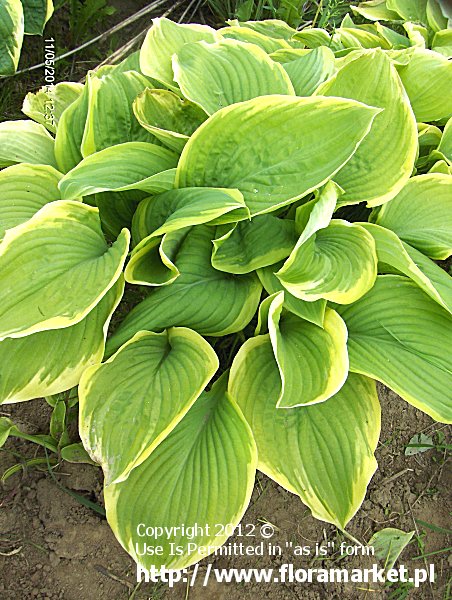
[49, 79]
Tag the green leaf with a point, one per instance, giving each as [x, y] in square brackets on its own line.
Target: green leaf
[202, 298]
[364, 36]
[55, 268]
[8, 428]
[389, 544]
[247, 35]
[378, 170]
[306, 70]
[25, 189]
[442, 43]
[435, 16]
[175, 209]
[201, 476]
[418, 444]
[70, 130]
[445, 145]
[375, 10]
[217, 75]
[76, 453]
[407, 260]
[429, 226]
[24, 374]
[171, 119]
[312, 360]
[5, 427]
[36, 15]
[273, 28]
[165, 39]
[323, 453]
[58, 421]
[400, 336]
[25, 141]
[148, 385]
[417, 34]
[110, 119]
[409, 10]
[334, 260]
[129, 166]
[427, 79]
[314, 312]
[157, 216]
[314, 37]
[48, 104]
[11, 34]
[250, 245]
[302, 142]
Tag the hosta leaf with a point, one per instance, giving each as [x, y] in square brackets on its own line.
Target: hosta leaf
[24, 374]
[417, 34]
[25, 141]
[306, 70]
[273, 28]
[357, 37]
[70, 130]
[55, 268]
[337, 263]
[378, 170]
[151, 263]
[445, 145]
[400, 336]
[24, 189]
[334, 260]
[396, 40]
[201, 475]
[427, 199]
[48, 104]
[428, 275]
[314, 37]
[323, 453]
[429, 138]
[274, 149]
[436, 19]
[427, 79]
[442, 43]
[184, 207]
[409, 10]
[312, 361]
[165, 39]
[110, 119]
[250, 36]
[375, 10]
[128, 166]
[217, 75]
[11, 34]
[251, 245]
[36, 15]
[314, 312]
[169, 118]
[148, 385]
[442, 167]
[202, 298]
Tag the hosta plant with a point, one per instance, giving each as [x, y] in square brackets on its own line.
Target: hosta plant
[230, 238]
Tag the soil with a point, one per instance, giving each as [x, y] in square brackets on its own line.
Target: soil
[52, 547]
